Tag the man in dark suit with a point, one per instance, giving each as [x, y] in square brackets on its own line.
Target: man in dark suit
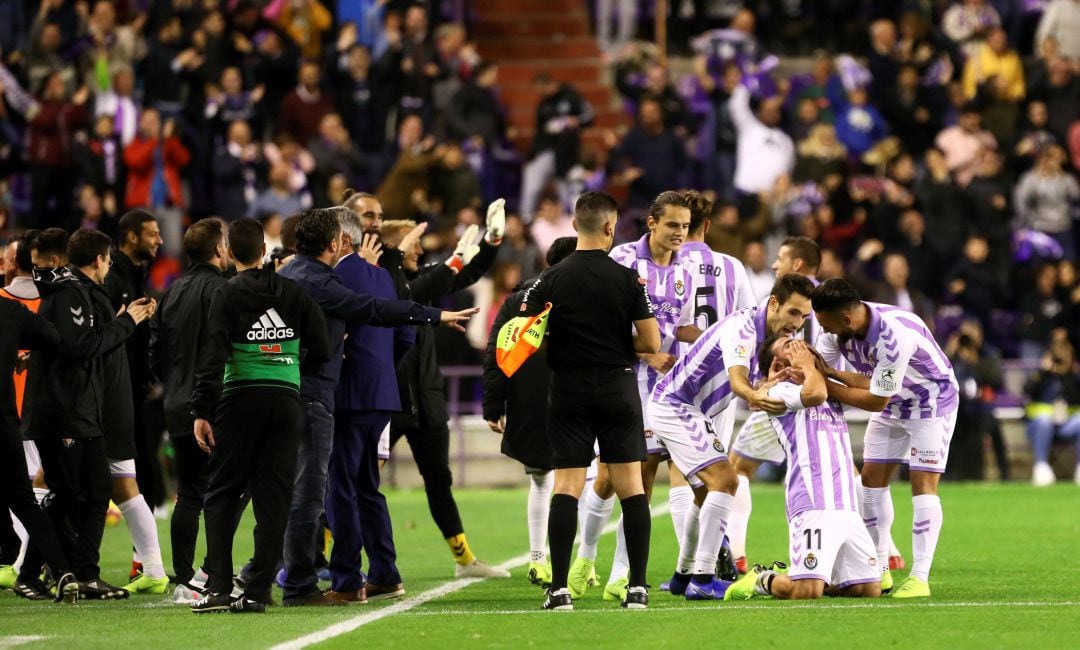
[320, 245]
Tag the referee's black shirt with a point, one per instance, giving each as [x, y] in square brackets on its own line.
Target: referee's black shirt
[595, 301]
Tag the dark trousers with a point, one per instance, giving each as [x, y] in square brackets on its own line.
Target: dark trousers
[77, 473]
[303, 535]
[17, 495]
[430, 445]
[191, 476]
[356, 510]
[257, 437]
[148, 436]
[51, 194]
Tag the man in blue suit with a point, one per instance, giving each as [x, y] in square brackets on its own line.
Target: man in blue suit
[320, 244]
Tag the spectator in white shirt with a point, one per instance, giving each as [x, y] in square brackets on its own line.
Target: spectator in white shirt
[764, 152]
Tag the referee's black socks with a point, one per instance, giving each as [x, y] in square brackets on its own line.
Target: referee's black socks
[562, 527]
[637, 524]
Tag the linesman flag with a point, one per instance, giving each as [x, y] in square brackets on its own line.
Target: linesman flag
[519, 339]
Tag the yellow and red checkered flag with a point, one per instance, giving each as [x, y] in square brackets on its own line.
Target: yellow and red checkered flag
[519, 339]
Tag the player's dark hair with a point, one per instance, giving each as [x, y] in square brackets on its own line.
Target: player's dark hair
[132, 222]
[315, 230]
[701, 209]
[51, 241]
[560, 249]
[807, 250]
[86, 245]
[665, 199]
[765, 354]
[201, 240]
[835, 295]
[246, 241]
[592, 209]
[288, 231]
[23, 258]
[791, 284]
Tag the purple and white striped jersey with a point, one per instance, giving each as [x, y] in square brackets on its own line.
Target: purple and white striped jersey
[903, 362]
[669, 289]
[700, 377]
[818, 448]
[720, 285]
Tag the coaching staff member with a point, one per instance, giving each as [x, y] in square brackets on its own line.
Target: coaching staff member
[246, 405]
[592, 348]
[176, 332]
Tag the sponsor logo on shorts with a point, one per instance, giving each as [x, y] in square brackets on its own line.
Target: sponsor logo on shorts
[717, 445]
[648, 433]
[872, 561]
[810, 562]
[914, 452]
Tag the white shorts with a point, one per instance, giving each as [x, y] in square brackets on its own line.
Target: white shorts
[33, 459]
[592, 471]
[757, 440]
[122, 468]
[832, 545]
[384, 443]
[689, 437]
[653, 446]
[922, 444]
[725, 424]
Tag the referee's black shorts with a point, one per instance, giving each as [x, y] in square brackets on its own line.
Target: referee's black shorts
[595, 404]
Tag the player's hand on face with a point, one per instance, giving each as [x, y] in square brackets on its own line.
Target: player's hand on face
[454, 319]
[799, 354]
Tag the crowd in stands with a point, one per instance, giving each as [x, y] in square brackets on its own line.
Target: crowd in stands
[933, 151]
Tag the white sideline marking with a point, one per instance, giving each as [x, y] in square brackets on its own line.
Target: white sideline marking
[870, 604]
[12, 641]
[407, 604]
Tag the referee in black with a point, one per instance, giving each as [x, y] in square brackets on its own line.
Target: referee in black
[593, 397]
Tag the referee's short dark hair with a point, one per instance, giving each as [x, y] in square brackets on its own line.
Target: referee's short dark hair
[701, 209]
[791, 284]
[807, 250]
[560, 249]
[23, 258]
[86, 245]
[132, 221]
[835, 295]
[246, 241]
[592, 209]
[202, 238]
[663, 200]
[315, 230]
[51, 241]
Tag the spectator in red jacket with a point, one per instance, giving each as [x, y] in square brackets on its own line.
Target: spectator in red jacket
[51, 151]
[154, 160]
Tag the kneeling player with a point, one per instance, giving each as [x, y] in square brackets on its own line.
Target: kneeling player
[831, 551]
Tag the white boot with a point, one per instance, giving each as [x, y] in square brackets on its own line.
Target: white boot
[1042, 475]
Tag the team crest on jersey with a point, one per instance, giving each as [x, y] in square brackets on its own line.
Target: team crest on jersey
[717, 445]
[680, 287]
[810, 562]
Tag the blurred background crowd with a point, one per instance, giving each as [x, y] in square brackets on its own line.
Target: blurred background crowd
[930, 146]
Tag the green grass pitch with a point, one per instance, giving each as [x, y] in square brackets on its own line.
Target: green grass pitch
[1006, 576]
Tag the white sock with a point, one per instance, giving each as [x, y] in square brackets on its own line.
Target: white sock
[24, 538]
[144, 536]
[620, 567]
[740, 518]
[679, 500]
[597, 513]
[540, 487]
[40, 494]
[925, 530]
[877, 514]
[715, 513]
[688, 547]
